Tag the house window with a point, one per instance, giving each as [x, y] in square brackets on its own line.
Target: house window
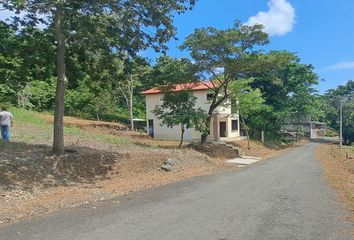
[210, 96]
[234, 125]
[151, 127]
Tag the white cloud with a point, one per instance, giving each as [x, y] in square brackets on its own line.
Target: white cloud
[279, 19]
[341, 66]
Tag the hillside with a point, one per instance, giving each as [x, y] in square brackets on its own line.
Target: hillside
[102, 160]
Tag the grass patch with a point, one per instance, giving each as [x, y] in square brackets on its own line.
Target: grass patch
[96, 137]
[35, 129]
[110, 139]
[29, 117]
[73, 131]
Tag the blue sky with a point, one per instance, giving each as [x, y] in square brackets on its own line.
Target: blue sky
[321, 32]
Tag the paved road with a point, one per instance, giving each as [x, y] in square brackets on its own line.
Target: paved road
[281, 198]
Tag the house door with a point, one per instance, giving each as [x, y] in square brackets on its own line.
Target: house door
[151, 127]
[222, 129]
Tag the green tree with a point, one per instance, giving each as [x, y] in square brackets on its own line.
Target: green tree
[248, 102]
[344, 93]
[230, 55]
[37, 95]
[129, 78]
[121, 25]
[168, 70]
[287, 90]
[179, 109]
[300, 104]
[10, 64]
[26, 55]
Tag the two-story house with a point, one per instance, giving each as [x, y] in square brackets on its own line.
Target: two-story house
[225, 125]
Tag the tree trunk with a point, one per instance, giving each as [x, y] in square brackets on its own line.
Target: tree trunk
[58, 134]
[247, 134]
[130, 107]
[182, 134]
[297, 128]
[204, 136]
[215, 103]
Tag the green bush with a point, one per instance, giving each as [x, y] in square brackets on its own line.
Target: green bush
[7, 95]
[38, 95]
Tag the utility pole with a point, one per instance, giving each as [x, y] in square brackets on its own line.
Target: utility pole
[341, 124]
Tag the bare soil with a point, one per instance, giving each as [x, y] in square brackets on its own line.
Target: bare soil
[219, 152]
[264, 151]
[338, 165]
[33, 182]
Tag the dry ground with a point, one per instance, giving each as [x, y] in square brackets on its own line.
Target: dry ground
[34, 182]
[101, 162]
[339, 171]
[267, 150]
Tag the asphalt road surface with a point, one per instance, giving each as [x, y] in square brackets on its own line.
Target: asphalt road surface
[281, 198]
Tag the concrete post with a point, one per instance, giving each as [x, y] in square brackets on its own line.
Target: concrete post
[341, 124]
[217, 134]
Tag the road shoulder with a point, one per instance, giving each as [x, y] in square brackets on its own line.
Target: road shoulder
[338, 168]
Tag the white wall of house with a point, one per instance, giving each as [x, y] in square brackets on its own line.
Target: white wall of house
[234, 133]
[166, 133]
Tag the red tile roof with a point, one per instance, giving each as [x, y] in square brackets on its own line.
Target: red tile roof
[194, 86]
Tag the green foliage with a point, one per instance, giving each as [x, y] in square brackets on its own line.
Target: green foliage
[250, 104]
[288, 91]
[29, 117]
[248, 100]
[102, 43]
[7, 94]
[232, 55]
[44, 133]
[178, 109]
[170, 70]
[224, 55]
[37, 95]
[98, 34]
[79, 102]
[289, 79]
[332, 98]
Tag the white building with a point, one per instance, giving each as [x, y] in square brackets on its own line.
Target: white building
[225, 125]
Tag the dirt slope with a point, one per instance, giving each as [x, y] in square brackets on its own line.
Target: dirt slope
[102, 160]
[339, 171]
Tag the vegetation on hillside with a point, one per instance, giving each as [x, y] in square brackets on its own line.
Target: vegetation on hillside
[331, 105]
[106, 74]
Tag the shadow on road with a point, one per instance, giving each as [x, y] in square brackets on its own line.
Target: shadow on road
[325, 140]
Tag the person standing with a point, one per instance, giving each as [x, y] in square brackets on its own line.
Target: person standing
[6, 120]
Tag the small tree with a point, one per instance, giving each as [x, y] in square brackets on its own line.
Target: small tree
[178, 109]
[248, 101]
[129, 75]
